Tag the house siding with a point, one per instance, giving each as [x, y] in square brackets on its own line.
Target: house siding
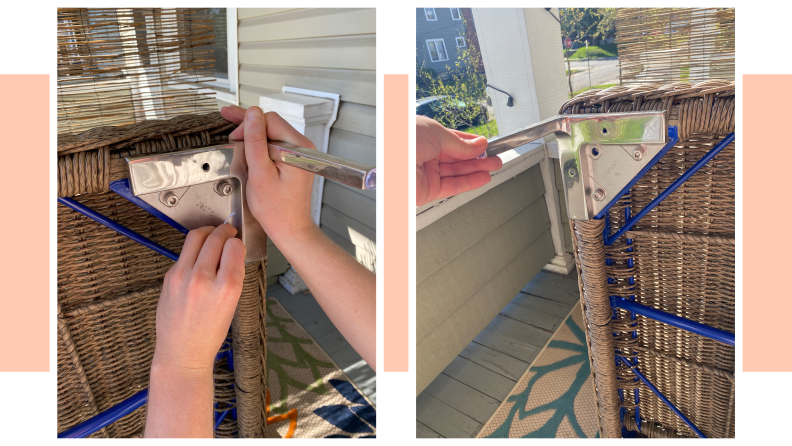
[331, 50]
[472, 262]
[446, 28]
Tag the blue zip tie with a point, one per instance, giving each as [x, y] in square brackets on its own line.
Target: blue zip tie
[661, 396]
[107, 417]
[121, 187]
[121, 229]
[674, 186]
[671, 319]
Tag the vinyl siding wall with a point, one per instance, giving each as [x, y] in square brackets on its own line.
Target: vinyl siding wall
[472, 262]
[330, 50]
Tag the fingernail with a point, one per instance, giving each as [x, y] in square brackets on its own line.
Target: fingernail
[253, 113]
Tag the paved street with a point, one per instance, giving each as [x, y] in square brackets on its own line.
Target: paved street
[603, 71]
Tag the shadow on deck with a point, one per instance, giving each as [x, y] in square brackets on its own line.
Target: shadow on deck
[464, 396]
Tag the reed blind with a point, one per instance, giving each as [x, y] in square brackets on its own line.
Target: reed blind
[675, 44]
[119, 66]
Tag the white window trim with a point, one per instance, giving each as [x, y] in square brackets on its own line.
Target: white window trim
[438, 53]
[459, 11]
[463, 42]
[426, 13]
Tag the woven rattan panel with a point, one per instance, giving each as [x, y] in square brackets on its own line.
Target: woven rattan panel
[108, 285]
[683, 255]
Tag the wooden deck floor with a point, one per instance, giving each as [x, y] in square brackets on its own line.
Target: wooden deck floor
[307, 312]
[464, 396]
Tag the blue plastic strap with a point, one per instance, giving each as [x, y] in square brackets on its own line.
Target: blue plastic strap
[661, 396]
[674, 186]
[674, 320]
[121, 229]
[107, 417]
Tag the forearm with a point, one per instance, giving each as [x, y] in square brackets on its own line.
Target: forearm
[344, 288]
[179, 404]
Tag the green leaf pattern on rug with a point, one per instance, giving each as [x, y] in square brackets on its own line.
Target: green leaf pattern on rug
[563, 406]
[275, 364]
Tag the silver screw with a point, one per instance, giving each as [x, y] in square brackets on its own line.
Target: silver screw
[599, 194]
[224, 188]
[170, 199]
[639, 152]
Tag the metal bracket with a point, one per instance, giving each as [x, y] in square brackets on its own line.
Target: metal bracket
[200, 187]
[599, 154]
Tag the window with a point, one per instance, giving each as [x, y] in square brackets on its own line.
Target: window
[430, 14]
[224, 29]
[437, 50]
[460, 42]
[456, 13]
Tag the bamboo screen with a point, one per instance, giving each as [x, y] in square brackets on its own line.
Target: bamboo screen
[675, 44]
[120, 66]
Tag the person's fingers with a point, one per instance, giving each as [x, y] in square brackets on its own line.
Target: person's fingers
[429, 182]
[280, 130]
[233, 113]
[209, 258]
[470, 166]
[256, 152]
[464, 135]
[461, 148]
[456, 185]
[232, 263]
[192, 246]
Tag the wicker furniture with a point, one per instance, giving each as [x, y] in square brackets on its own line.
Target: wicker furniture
[108, 286]
[679, 259]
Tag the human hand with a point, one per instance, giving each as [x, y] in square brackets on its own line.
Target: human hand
[445, 161]
[198, 300]
[279, 195]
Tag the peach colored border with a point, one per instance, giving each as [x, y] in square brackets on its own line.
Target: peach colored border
[24, 262]
[396, 222]
[767, 306]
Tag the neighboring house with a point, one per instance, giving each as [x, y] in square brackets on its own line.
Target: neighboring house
[475, 251]
[440, 34]
[325, 50]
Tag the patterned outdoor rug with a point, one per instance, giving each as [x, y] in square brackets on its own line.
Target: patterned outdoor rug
[309, 396]
[555, 396]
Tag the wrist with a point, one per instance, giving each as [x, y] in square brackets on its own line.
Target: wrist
[293, 232]
[163, 366]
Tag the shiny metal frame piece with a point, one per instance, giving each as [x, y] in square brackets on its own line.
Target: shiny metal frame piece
[342, 170]
[599, 154]
[200, 187]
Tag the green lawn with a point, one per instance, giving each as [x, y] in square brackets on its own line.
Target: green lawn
[595, 52]
[596, 87]
[489, 129]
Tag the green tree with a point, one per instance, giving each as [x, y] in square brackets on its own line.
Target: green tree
[462, 90]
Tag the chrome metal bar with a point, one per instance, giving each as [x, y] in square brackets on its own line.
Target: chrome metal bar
[352, 173]
[660, 395]
[528, 134]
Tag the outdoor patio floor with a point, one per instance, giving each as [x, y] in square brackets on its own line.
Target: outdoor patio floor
[464, 396]
[307, 312]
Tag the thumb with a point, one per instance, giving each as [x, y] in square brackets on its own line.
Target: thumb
[256, 150]
[453, 146]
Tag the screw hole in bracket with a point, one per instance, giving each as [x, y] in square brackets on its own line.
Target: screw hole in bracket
[205, 167]
[604, 131]
[595, 151]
